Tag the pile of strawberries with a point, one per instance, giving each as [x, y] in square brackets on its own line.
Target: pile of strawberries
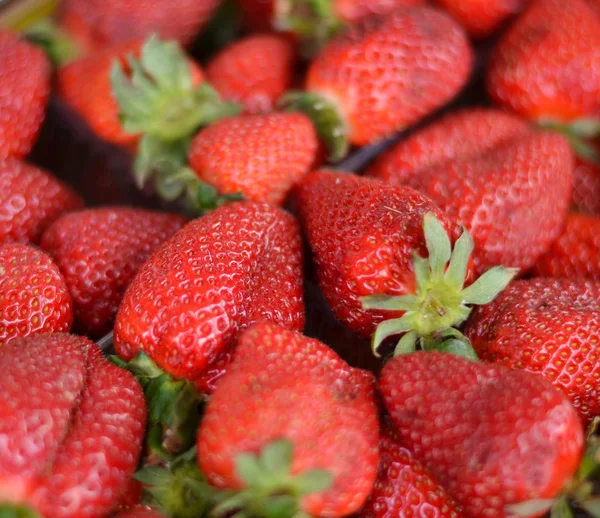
[416, 337]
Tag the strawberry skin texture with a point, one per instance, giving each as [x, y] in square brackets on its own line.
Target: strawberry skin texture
[218, 275]
[491, 436]
[71, 425]
[548, 63]
[283, 385]
[403, 486]
[99, 252]
[386, 73]
[362, 233]
[98, 24]
[261, 156]
[482, 17]
[513, 197]
[255, 71]
[24, 92]
[586, 187]
[547, 327]
[576, 252]
[30, 200]
[33, 295]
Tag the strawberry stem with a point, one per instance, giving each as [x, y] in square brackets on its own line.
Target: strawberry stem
[56, 43]
[17, 511]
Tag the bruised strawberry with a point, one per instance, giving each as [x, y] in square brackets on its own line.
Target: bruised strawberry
[255, 71]
[30, 200]
[71, 427]
[290, 420]
[99, 251]
[33, 295]
[24, 92]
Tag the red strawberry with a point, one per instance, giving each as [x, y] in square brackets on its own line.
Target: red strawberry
[218, 275]
[383, 75]
[547, 65]
[576, 253]
[255, 71]
[404, 487]
[260, 156]
[482, 17]
[512, 194]
[30, 199]
[312, 417]
[24, 91]
[547, 327]
[33, 295]
[98, 24]
[71, 426]
[586, 186]
[491, 436]
[99, 251]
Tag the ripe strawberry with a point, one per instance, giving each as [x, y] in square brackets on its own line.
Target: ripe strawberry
[586, 186]
[24, 92]
[312, 417]
[383, 75]
[99, 251]
[547, 65]
[491, 436]
[98, 24]
[71, 427]
[260, 156]
[547, 327]
[33, 294]
[576, 252]
[512, 194]
[403, 486]
[30, 199]
[255, 71]
[482, 17]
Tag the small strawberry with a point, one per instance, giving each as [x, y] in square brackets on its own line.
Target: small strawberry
[33, 295]
[260, 156]
[255, 71]
[383, 75]
[24, 92]
[512, 194]
[100, 24]
[482, 17]
[403, 486]
[547, 327]
[576, 252]
[30, 200]
[99, 251]
[586, 186]
[290, 425]
[71, 428]
[495, 439]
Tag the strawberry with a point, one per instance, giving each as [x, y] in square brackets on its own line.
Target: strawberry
[403, 486]
[24, 92]
[547, 327]
[383, 75]
[576, 252]
[260, 156]
[586, 186]
[494, 438]
[511, 193]
[100, 24]
[30, 199]
[482, 17]
[71, 427]
[290, 424]
[33, 295]
[99, 252]
[255, 71]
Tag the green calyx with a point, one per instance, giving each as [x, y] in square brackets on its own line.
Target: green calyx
[56, 43]
[329, 125]
[159, 97]
[173, 407]
[17, 511]
[580, 133]
[441, 301]
[271, 491]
